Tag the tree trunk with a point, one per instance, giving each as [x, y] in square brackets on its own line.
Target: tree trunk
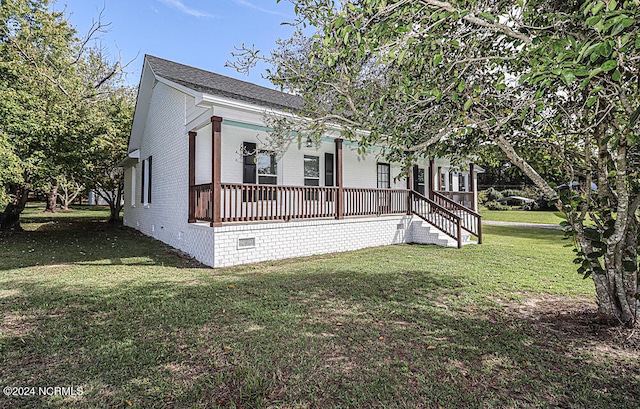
[10, 218]
[116, 206]
[616, 282]
[52, 199]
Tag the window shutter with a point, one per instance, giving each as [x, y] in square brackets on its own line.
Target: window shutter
[142, 174]
[328, 169]
[150, 162]
[249, 163]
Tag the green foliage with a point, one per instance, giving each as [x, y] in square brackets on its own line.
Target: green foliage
[493, 195]
[552, 84]
[55, 87]
[493, 205]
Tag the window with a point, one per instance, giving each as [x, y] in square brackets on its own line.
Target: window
[443, 185]
[267, 168]
[384, 176]
[258, 166]
[311, 170]
[450, 181]
[462, 185]
[133, 185]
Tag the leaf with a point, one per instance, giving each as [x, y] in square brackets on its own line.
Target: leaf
[596, 9]
[591, 21]
[561, 215]
[487, 16]
[612, 5]
[437, 59]
[568, 77]
[431, 347]
[592, 234]
[461, 85]
[609, 65]
[616, 76]
[592, 100]
[231, 286]
[467, 104]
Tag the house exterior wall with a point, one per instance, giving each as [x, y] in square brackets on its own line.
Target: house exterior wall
[172, 113]
[165, 218]
[275, 241]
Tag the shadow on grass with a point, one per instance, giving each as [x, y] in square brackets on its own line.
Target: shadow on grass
[83, 241]
[329, 335]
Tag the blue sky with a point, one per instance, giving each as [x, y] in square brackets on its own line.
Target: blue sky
[201, 33]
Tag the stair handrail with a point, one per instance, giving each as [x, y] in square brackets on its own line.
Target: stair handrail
[467, 222]
[442, 210]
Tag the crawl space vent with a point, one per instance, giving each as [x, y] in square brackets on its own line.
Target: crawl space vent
[247, 243]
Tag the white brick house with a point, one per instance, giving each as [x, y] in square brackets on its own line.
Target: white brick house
[197, 177]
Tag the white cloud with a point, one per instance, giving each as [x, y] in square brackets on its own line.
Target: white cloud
[178, 5]
[246, 3]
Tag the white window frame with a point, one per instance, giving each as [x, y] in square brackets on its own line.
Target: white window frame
[134, 175]
[304, 172]
[273, 162]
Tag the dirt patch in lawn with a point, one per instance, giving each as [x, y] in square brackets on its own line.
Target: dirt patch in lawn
[575, 322]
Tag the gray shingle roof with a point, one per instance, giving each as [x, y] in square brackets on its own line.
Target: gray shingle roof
[223, 86]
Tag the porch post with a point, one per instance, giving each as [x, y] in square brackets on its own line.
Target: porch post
[439, 183]
[472, 187]
[192, 176]
[431, 165]
[410, 190]
[339, 198]
[216, 156]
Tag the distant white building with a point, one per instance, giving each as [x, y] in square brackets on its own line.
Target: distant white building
[198, 179]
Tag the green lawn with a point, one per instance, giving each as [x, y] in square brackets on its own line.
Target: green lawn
[87, 304]
[524, 216]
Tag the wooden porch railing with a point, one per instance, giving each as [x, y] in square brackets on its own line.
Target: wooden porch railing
[247, 203]
[244, 202]
[430, 211]
[201, 196]
[464, 198]
[364, 202]
[471, 221]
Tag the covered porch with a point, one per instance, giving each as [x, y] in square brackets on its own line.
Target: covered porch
[222, 203]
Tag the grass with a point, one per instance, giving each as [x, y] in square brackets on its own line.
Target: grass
[87, 304]
[523, 216]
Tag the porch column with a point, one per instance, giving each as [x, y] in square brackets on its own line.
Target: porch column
[410, 189]
[339, 198]
[431, 166]
[192, 177]
[439, 183]
[216, 157]
[472, 187]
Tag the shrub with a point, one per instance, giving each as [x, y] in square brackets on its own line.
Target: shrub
[493, 194]
[482, 197]
[493, 205]
[513, 192]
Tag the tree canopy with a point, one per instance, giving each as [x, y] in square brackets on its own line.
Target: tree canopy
[54, 84]
[548, 82]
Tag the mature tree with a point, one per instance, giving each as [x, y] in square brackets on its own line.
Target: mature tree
[50, 80]
[109, 147]
[68, 190]
[552, 79]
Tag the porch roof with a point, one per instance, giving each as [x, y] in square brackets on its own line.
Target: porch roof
[219, 85]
